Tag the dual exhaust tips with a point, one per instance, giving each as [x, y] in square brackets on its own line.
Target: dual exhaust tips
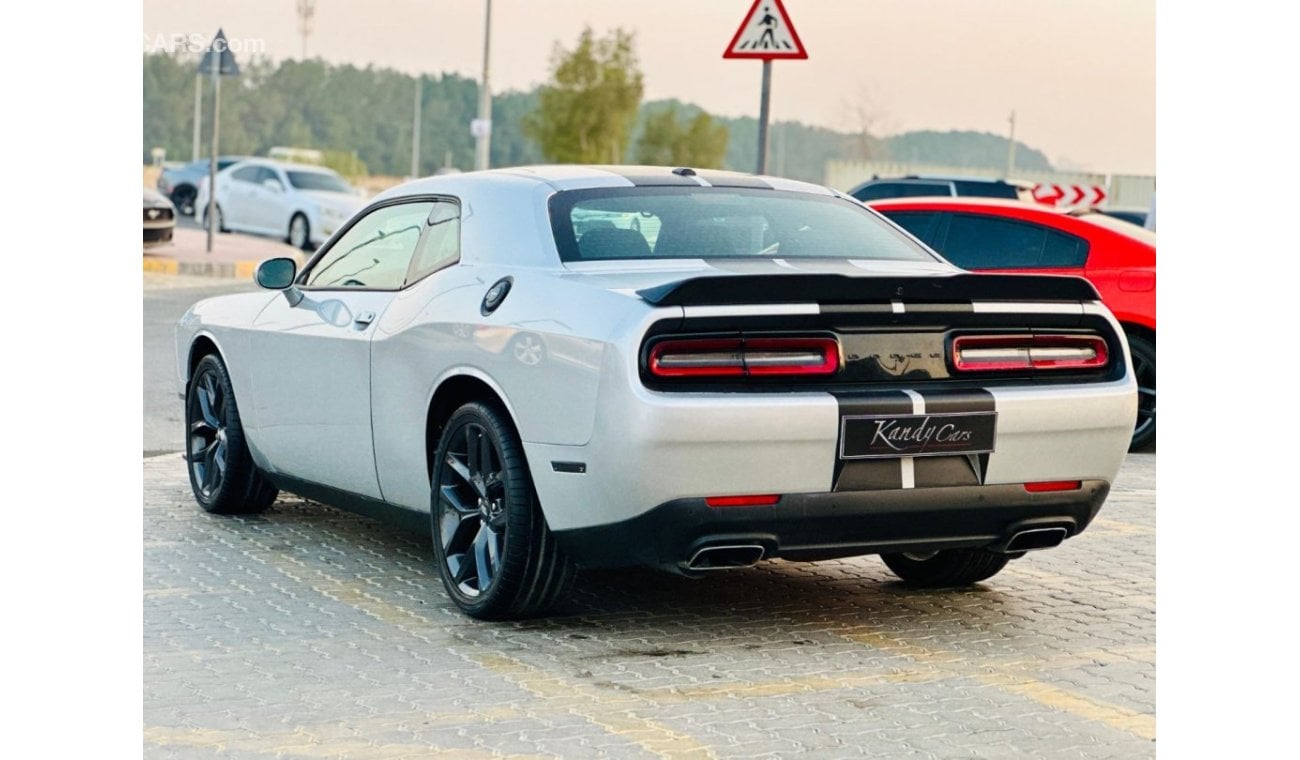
[733, 556]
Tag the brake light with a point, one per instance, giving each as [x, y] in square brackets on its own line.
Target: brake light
[1002, 353]
[764, 500]
[744, 357]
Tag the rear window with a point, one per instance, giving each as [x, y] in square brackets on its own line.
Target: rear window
[734, 223]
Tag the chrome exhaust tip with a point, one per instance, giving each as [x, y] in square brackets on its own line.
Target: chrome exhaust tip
[727, 557]
[1036, 538]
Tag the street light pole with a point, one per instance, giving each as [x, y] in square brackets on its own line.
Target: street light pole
[484, 142]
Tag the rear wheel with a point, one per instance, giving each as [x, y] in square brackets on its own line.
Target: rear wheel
[950, 567]
[183, 198]
[222, 474]
[494, 551]
[1144, 369]
[219, 216]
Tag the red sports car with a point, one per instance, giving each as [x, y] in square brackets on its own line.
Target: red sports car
[1117, 257]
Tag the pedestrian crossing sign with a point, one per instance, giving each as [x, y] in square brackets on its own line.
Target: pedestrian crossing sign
[766, 33]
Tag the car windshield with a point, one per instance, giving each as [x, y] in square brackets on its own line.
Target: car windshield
[696, 223]
[305, 180]
[1119, 225]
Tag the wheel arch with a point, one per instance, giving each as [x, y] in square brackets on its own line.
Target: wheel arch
[1140, 330]
[201, 345]
[453, 390]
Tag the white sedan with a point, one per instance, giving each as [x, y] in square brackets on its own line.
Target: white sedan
[301, 204]
[559, 367]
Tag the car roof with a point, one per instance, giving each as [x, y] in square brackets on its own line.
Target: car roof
[579, 177]
[285, 165]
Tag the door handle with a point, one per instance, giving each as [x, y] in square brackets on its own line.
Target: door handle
[364, 318]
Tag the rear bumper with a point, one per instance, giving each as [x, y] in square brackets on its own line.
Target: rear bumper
[814, 526]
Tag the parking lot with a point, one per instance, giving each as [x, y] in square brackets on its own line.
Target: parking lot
[310, 632]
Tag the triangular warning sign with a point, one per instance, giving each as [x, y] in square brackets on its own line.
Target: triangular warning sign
[766, 33]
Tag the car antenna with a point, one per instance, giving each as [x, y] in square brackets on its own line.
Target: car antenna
[684, 171]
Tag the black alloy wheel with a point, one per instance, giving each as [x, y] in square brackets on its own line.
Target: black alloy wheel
[1144, 369]
[222, 474]
[496, 556]
[471, 501]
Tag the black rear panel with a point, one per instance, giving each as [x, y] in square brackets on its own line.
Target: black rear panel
[883, 350]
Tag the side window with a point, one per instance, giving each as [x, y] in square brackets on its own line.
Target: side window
[266, 173]
[374, 253]
[247, 173]
[1063, 250]
[986, 189]
[878, 190]
[919, 223]
[924, 189]
[441, 244]
[981, 242]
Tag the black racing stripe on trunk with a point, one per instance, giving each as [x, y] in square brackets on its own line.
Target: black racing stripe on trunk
[869, 474]
[718, 179]
[934, 472]
[968, 400]
[641, 178]
[931, 472]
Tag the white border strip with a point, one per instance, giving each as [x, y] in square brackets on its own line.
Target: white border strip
[750, 310]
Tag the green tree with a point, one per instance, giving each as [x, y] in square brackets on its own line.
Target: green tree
[586, 112]
[666, 141]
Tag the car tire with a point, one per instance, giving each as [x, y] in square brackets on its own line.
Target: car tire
[946, 568]
[223, 476]
[486, 521]
[183, 199]
[1144, 368]
[299, 232]
[221, 220]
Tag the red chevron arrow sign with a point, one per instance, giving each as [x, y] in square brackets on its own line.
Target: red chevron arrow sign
[1069, 195]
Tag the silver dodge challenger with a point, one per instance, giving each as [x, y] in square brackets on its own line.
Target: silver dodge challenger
[552, 368]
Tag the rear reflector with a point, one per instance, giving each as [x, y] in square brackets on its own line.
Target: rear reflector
[744, 357]
[1008, 353]
[765, 500]
[1054, 485]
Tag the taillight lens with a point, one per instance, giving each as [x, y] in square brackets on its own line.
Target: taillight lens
[1008, 353]
[744, 357]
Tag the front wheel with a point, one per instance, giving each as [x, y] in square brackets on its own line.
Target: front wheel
[947, 568]
[299, 232]
[222, 474]
[494, 551]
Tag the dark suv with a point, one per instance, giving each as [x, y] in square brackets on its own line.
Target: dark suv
[914, 186]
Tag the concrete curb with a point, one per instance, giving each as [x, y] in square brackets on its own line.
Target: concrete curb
[241, 270]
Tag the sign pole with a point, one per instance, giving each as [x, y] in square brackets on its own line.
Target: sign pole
[766, 34]
[212, 165]
[764, 113]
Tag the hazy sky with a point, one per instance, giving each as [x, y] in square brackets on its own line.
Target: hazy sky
[1080, 74]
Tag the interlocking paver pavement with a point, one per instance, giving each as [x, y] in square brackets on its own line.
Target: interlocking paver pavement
[309, 632]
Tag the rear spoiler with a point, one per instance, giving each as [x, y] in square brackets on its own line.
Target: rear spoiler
[729, 290]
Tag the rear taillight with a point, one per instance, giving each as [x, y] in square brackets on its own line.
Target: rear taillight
[744, 357]
[1008, 353]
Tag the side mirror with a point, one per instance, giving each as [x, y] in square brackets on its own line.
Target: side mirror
[276, 274]
[273, 185]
